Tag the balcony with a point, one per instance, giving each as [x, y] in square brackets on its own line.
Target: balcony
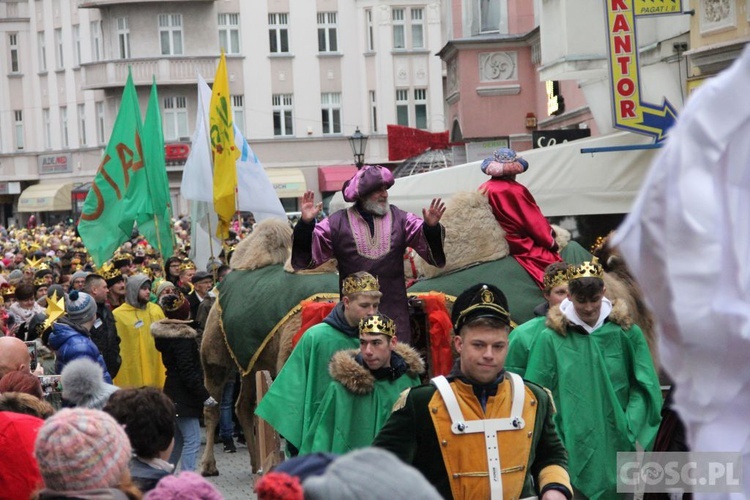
[168, 71]
[87, 4]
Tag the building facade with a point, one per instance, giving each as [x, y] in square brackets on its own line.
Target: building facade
[303, 76]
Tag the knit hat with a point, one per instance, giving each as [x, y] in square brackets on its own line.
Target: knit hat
[175, 306]
[163, 285]
[80, 307]
[350, 476]
[79, 274]
[15, 274]
[367, 180]
[185, 485]
[83, 384]
[82, 449]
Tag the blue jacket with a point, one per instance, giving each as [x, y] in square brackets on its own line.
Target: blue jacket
[70, 342]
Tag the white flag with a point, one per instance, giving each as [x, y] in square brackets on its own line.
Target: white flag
[255, 191]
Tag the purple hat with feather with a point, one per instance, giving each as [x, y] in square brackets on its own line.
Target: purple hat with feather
[367, 180]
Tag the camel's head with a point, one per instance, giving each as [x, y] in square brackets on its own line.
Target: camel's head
[269, 243]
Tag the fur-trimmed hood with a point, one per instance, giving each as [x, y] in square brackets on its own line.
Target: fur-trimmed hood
[559, 323]
[358, 379]
[173, 329]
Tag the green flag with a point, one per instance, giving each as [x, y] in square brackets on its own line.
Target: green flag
[111, 206]
[157, 225]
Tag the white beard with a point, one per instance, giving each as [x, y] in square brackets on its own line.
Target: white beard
[376, 208]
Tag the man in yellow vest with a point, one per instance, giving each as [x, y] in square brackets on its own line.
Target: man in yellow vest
[481, 432]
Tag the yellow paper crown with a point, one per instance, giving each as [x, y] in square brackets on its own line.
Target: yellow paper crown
[358, 284]
[55, 309]
[8, 291]
[558, 278]
[588, 269]
[33, 263]
[40, 281]
[187, 264]
[109, 271]
[377, 324]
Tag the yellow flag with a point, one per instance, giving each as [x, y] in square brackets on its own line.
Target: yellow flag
[225, 153]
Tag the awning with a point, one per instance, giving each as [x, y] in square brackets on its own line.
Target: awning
[332, 177]
[562, 179]
[288, 182]
[45, 198]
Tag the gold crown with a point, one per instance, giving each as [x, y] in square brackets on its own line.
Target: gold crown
[40, 281]
[553, 280]
[121, 256]
[173, 305]
[377, 324]
[588, 269]
[187, 264]
[359, 284]
[7, 291]
[147, 271]
[33, 263]
[108, 271]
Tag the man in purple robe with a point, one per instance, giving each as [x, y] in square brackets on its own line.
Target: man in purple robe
[371, 236]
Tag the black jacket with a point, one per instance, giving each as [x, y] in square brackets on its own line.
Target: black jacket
[176, 341]
[104, 335]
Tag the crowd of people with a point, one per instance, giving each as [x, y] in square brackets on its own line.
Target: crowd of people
[538, 409]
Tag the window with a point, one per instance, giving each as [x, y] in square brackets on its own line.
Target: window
[175, 118]
[327, 32]
[411, 113]
[417, 28]
[64, 126]
[82, 124]
[77, 45]
[97, 51]
[42, 51]
[278, 33]
[402, 107]
[59, 54]
[414, 28]
[229, 33]
[123, 37]
[420, 108]
[399, 29]
[373, 112]
[238, 109]
[100, 122]
[170, 34]
[283, 107]
[13, 42]
[18, 115]
[331, 110]
[370, 30]
[47, 129]
[489, 16]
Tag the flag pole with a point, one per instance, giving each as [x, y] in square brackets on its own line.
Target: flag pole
[211, 159]
[158, 235]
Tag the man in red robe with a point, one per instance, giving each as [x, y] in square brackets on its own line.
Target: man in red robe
[530, 237]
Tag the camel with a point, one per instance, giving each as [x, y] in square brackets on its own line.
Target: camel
[476, 250]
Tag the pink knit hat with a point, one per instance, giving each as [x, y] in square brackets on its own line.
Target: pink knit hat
[367, 180]
[81, 449]
[186, 485]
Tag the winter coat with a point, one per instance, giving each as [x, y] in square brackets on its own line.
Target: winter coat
[71, 341]
[104, 335]
[176, 341]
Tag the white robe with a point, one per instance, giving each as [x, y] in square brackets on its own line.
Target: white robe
[687, 240]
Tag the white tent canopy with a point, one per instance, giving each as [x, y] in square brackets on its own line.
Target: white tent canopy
[562, 179]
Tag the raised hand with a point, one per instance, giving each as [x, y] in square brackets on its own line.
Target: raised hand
[308, 208]
[434, 213]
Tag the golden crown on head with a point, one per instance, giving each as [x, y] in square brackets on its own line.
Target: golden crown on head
[553, 280]
[187, 264]
[33, 263]
[377, 325]
[589, 269]
[7, 291]
[359, 284]
[173, 305]
[40, 281]
[108, 271]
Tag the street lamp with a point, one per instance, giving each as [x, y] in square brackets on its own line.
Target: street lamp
[358, 142]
